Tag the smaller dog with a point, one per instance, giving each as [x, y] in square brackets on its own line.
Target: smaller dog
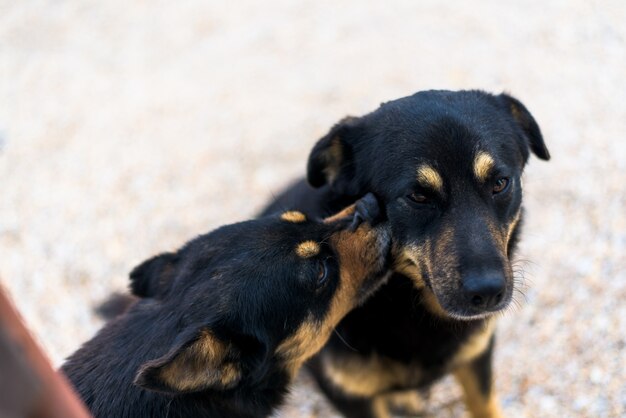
[223, 324]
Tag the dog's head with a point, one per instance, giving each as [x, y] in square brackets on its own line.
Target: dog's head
[257, 296]
[447, 168]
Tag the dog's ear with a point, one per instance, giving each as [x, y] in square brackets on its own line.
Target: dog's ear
[198, 361]
[331, 157]
[152, 276]
[529, 126]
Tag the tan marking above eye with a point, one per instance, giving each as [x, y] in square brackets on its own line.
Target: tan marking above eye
[293, 216]
[307, 249]
[483, 163]
[429, 177]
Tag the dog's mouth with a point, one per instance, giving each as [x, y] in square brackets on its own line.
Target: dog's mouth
[440, 294]
[455, 305]
[467, 313]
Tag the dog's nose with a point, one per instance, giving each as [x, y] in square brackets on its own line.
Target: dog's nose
[484, 291]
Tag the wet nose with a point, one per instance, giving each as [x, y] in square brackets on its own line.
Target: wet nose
[484, 291]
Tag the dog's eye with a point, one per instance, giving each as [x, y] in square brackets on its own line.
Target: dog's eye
[418, 197]
[322, 274]
[500, 185]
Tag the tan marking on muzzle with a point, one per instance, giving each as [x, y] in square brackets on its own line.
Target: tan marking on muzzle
[308, 249]
[301, 345]
[293, 216]
[430, 301]
[358, 258]
[429, 178]
[409, 261]
[444, 247]
[502, 235]
[483, 163]
[511, 228]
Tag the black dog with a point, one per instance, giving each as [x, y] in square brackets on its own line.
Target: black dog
[446, 167]
[222, 325]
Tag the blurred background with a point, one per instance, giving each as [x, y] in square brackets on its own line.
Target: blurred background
[129, 127]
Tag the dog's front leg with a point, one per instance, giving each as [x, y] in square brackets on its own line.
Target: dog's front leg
[476, 379]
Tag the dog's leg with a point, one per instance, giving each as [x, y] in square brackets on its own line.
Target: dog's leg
[348, 405]
[353, 407]
[404, 403]
[476, 379]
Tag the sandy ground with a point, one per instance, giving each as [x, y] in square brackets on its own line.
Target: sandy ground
[128, 127]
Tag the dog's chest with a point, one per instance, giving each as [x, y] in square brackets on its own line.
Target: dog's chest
[394, 342]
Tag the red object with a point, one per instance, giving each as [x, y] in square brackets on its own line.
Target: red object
[29, 386]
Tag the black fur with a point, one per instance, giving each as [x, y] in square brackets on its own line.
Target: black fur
[114, 305]
[204, 338]
[423, 322]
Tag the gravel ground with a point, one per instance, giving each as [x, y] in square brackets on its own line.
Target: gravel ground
[128, 127]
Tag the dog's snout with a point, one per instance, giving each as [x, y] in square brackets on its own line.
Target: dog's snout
[484, 291]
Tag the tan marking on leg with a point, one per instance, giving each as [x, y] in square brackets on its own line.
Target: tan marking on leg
[483, 163]
[293, 216]
[428, 177]
[380, 408]
[367, 376]
[476, 403]
[407, 402]
[307, 249]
